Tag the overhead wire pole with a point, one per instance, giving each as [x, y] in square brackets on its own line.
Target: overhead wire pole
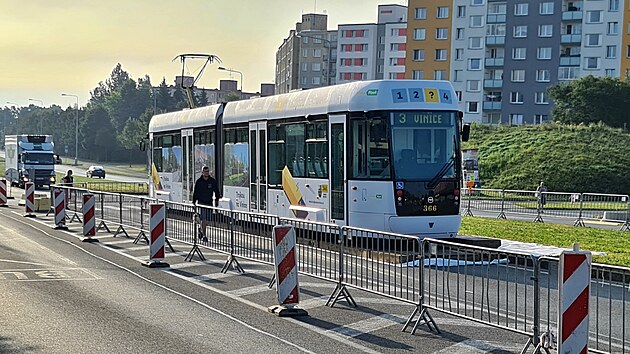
[209, 59]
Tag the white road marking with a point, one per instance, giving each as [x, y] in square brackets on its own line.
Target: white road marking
[471, 346]
[369, 325]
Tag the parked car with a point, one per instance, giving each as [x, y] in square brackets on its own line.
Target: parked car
[57, 159]
[95, 171]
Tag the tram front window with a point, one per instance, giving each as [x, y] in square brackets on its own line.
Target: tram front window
[423, 145]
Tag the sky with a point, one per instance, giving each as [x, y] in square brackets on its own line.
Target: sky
[49, 47]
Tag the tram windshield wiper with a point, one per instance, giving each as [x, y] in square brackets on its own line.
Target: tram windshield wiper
[438, 176]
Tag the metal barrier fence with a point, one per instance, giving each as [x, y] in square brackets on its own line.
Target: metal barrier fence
[576, 206]
[517, 292]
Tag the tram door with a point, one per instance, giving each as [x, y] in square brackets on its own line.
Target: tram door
[188, 165]
[336, 168]
[258, 167]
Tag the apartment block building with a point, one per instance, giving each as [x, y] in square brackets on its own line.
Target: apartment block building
[501, 56]
[312, 56]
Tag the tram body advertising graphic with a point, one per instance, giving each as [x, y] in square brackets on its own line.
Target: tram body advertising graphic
[382, 155]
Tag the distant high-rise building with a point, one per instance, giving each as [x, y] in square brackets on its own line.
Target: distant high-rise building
[503, 55]
[313, 56]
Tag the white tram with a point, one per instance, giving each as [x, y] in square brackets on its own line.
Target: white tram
[382, 155]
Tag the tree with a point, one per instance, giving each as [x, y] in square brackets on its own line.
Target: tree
[164, 100]
[232, 96]
[591, 100]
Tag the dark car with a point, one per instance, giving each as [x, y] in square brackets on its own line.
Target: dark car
[95, 171]
[57, 159]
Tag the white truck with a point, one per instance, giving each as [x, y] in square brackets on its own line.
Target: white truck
[30, 158]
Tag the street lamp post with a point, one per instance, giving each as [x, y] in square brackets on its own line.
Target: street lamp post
[234, 71]
[328, 60]
[41, 119]
[76, 129]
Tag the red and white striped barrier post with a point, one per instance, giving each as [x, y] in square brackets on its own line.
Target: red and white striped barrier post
[59, 205]
[285, 260]
[29, 199]
[157, 225]
[89, 221]
[3, 192]
[574, 279]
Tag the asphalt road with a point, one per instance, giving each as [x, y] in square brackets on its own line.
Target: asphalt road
[60, 295]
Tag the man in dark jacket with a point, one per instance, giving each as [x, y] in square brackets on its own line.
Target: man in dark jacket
[205, 188]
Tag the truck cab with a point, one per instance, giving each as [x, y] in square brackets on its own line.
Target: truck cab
[30, 158]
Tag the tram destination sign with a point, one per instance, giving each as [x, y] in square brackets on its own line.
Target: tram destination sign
[422, 119]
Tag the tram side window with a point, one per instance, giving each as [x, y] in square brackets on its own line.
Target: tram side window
[317, 150]
[295, 149]
[277, 158]
[236, 157]
[370, 148]
[204, 150]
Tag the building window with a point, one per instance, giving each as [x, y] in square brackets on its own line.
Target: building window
[316, 80]
[516, 97]
[546, 8]
[417, 74]
[317, 53]
[593, 17]
[304, 66]
[545, 31]
[544, 53]
[418, 55]
[516, 119]
[476, 2]
[419, 34]
[392, 61]
[613, 5]
[568, 73]
[543, 75]
[304, 80]
[439, 75]
[461, 11]
[611, 51]
[440, 54]
[520, 31]
[611, 73]
[540, 98]
[628, 52]
[591, 63]
[497, 9]
[473, 85]
[457, 75]
[441, 33]
[521, 9]
[442, 12]
[593, 40]
[396, 47]
[495, 29]
[476, 21]
[421, 13]
[518, 75]
[475, 43]
[472, 107]
[613, 28]
[474, 64]
[305, 53]
[459, 96]
[540, 118]
[316, 67]
[459, 33]
[518, 53]
[459, 54]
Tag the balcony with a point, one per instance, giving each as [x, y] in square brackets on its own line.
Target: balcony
[570, 60]
[497, 18]
[575, 15]
[494, 62]
[495, 40]
[489, 84]
[491, 106]
[571, 39]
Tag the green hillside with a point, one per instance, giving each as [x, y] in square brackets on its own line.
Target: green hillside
[569, 158]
